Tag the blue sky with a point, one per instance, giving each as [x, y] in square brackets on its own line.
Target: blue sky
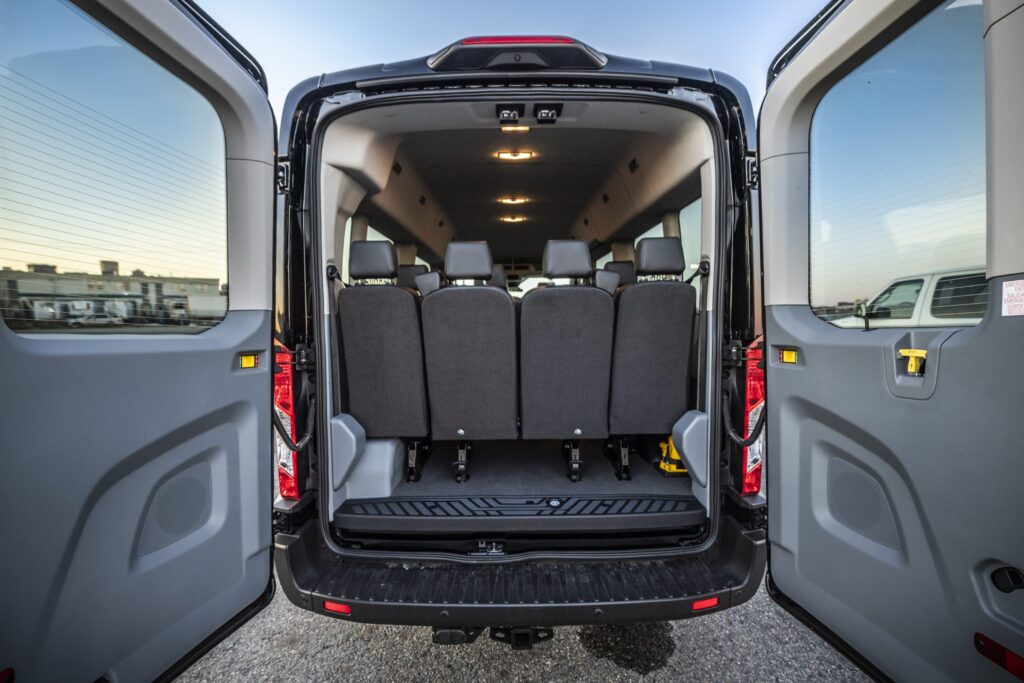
[300, 38]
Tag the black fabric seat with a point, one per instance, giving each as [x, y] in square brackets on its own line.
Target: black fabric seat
[653, 339]
[566, 348]
[469, 338]
[407, 275]
[380, 334]
[608, 280]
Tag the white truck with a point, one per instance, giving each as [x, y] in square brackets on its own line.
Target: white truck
[952, 297]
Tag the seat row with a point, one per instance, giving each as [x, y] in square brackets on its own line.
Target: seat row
[458, 360]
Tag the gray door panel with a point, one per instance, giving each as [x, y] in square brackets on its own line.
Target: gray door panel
[136, 485]
[893, 498]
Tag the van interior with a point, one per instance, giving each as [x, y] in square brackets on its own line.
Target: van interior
[514, 313]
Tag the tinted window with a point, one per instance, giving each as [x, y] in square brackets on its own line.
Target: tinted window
[897, 163]
[112, 183]
[960, 296]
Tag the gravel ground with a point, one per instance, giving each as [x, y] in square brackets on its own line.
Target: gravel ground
[757, 641]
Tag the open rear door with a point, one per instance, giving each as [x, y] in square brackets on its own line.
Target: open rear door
[136, 188]
[891, 147]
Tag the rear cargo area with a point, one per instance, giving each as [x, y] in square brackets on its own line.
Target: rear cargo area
[518, 494]
[517, 326]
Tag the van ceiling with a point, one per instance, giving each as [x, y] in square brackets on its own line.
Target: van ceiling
[450, 148]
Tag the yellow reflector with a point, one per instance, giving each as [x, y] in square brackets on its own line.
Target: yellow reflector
[787, 355]
[248, 361]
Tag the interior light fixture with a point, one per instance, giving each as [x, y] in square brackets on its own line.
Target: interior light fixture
[512, 219]
[513, 200]
[515, 129]
[515, 156]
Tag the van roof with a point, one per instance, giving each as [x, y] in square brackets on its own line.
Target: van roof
[417, 73]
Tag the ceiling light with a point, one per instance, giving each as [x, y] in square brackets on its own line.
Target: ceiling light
[515, 156]
[515, 129]
[512, 219]
[513, 200]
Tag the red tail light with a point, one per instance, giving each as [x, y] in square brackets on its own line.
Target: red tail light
[337, 607]
[1008, 659]
[753, 455]
[518, 40]
[705, 603]
[284, 404]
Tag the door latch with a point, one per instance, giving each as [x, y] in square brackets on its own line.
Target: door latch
[915, 360]
[283, 175]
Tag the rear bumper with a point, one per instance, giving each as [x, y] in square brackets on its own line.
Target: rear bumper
[527, 593]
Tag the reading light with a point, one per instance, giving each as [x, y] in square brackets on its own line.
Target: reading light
[513, 200]
[512, 219]
[515, 129]
[515, 156]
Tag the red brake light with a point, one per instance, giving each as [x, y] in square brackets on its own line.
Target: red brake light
[337, 607]
[753, 455]
[705, 603]
[284, 404]
[518, 40]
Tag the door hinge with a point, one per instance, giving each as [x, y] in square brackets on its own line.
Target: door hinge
[303, 359]
[753, 172]
[283, 175]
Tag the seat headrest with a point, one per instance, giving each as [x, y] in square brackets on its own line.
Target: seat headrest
[625, 269]
[498, 278]
[660, 256]
[375, 259]
[407, 275]
[468, 261]
[608, 280]
[567, 258]
[428, 282]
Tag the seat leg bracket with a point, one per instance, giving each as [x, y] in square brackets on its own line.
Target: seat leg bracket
[415, 453]
[622, 459]
[461, 463]
[572, 450]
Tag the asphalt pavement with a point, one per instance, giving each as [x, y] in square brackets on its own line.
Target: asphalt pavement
[757, 641]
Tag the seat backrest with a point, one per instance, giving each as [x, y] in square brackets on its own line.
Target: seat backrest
[653, 339]
[625, 269]
[380, 336]
[608, 280]
[469, 337]
[566, 349]
[407, 275]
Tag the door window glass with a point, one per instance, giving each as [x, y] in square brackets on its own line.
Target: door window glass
[112, 183]
[897, 166]
[689, 232]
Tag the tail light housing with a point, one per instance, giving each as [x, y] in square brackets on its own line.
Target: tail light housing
[284, 404]
[753, 455]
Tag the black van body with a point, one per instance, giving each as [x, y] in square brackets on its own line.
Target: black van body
[530, 589]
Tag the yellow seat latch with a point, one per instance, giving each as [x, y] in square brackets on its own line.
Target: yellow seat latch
[915, 360]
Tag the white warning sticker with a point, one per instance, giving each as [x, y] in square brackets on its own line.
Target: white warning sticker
[1013, 297]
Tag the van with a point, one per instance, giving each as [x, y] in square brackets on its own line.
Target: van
[519, 335]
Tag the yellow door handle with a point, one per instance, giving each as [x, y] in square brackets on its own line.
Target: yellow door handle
[915, 360]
